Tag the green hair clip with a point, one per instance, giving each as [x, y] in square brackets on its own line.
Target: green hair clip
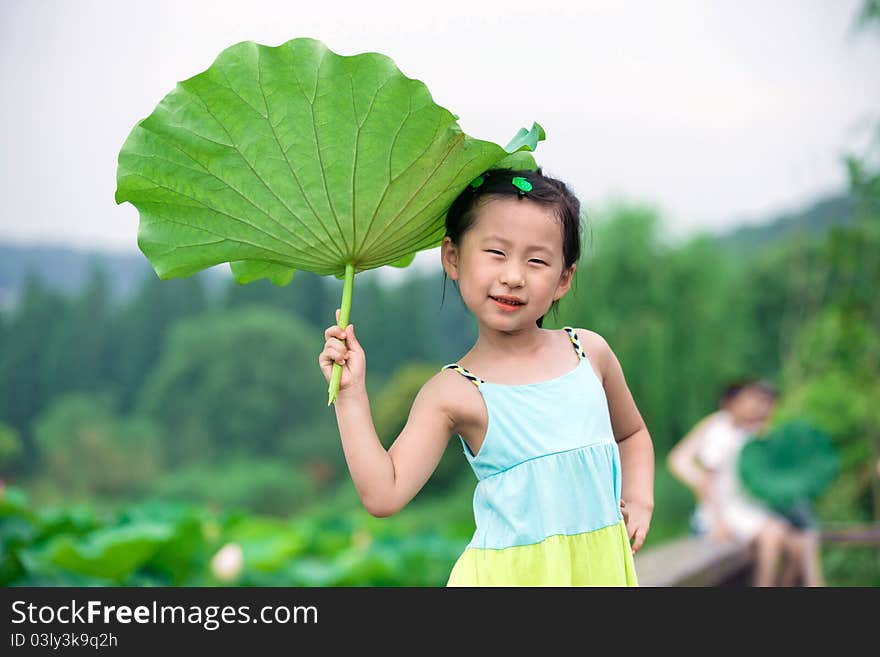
[522, 185]
[519, 182]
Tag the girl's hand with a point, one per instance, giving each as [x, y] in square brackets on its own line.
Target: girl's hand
[637, 518]
[721, 532]
[704, 486]
[343, 347]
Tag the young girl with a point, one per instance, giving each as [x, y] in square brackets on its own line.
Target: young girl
[706, 461]
[564, 462]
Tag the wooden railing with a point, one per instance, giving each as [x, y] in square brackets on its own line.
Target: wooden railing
[852, 534]
[694, 561]
[700, 561]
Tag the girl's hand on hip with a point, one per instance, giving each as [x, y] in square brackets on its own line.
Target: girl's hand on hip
[704, 486]
[721, 532]
[637, 517]
[342, 347]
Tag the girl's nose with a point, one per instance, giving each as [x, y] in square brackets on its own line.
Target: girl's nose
[513, 276]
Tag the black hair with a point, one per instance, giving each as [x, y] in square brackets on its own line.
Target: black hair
[545, 190]
[732, 388]
[765, 386]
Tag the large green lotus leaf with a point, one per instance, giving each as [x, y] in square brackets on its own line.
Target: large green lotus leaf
[267, 543]
[294, 157]
[113, 553]
[791, 464]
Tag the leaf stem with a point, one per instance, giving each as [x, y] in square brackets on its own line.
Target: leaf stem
[344, 311]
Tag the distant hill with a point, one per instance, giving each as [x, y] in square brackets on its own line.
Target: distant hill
[68, 269]
[815, 219]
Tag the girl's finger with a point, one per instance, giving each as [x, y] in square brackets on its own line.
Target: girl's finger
[640, 538]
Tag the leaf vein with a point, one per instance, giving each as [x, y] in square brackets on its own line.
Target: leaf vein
[225, 182]
[253, 170]
[333, 246]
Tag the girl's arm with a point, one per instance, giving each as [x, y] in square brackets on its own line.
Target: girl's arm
[682, 462]
[630, 432]
[387, 480]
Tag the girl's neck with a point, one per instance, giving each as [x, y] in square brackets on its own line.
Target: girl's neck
[740, 423]
[527, 342]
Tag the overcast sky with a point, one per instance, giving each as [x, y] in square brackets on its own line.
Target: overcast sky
[715, 112]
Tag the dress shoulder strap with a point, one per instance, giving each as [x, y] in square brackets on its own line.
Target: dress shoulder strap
[468, 375]
[477, 381]
[572, 334]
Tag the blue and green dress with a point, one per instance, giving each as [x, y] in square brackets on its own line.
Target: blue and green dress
[547, 500]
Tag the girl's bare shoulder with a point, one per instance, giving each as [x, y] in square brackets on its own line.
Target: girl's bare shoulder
[595, 347]
[453, 393]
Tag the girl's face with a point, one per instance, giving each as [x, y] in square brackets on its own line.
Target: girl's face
[513, 249]
[751, 407]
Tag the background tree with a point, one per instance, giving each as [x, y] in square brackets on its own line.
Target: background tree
[231, 382]
[141, 325]
[26, 381]
[89, 451]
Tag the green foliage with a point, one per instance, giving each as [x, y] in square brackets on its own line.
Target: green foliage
[83, 344]
[851, 566]
[86, 324]
[147, 544]
[156, 543]
[869, 15]
[140, 329]
[229, 382]
[836, 402]
[267, 486]
[88, 450]
[673, 504]
[10, 446]
[26, 383]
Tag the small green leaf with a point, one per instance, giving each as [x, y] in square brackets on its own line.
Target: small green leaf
[527, 139]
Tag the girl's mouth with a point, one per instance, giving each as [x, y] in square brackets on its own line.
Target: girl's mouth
[507, 306]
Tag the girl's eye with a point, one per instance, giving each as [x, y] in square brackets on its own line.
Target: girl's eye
[500, 253]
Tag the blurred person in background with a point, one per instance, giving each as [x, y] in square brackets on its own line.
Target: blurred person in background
[706, 460]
